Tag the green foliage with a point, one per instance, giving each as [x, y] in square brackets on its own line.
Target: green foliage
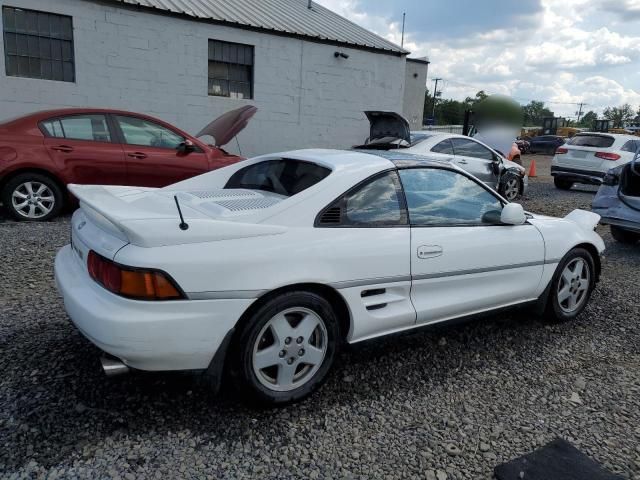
[618, 116]
[588, 120]
[451, 112]
[534, 113]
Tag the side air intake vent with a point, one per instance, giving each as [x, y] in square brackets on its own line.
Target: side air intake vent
[331, 216]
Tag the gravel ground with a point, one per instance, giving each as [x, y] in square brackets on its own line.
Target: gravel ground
[449, 403]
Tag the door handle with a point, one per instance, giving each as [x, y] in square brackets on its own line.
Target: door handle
[463, 162]
[429, 251]
[139, 155]
[62, 148]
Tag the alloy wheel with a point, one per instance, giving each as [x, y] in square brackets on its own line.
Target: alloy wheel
[290, 349]
[511, 189]
[573, 286]
[33, 200]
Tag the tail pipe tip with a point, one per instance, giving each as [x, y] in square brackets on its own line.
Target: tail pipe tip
[113, 366]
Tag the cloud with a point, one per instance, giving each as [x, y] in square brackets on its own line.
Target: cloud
[564, 51]
[626, 10]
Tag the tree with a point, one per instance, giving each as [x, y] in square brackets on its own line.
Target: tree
[619, 116]
[534, 112]
[588, 120]
[480, 96]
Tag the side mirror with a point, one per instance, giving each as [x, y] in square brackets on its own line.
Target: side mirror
[186, 147]
[513, 214]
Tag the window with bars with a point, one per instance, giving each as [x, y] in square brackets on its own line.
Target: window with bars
[230, 69]
[38, 44]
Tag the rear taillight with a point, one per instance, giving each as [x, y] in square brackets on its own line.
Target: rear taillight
[560, 151]
[608, 156]
[138, 283]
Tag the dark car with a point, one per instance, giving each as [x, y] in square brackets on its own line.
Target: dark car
[42, 152]
[618, 201]
[545, 144]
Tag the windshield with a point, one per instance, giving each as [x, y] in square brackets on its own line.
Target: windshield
[285, 177]
[601, 141]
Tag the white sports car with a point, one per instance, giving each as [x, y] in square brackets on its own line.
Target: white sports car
[265, 267]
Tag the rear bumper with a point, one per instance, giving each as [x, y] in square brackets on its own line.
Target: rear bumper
[591, 177]
[171, 335]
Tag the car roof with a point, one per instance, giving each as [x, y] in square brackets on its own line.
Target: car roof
[607, 134]
[35, 117]
[403, 160]
[356, 159]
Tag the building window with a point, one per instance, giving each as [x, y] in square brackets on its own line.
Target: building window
[230, 69]
[38, 44]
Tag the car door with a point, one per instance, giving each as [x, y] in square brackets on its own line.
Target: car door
[364, 237]
[462, 261]
[152, 153]
[84, 147]
[476, 159]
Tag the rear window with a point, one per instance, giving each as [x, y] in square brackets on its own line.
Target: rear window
[600, 141]
[285, 176]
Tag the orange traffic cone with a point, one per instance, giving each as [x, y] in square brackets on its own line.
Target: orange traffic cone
[532, 168]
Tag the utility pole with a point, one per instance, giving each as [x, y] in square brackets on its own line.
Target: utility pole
[579, 112]
[435, 95]
[402, 39]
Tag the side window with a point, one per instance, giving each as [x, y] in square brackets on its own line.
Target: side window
[138, 131]
[469, 148]
[437, 197]
[79, 127]
[631, 146]
[443, 147]
[377, 202]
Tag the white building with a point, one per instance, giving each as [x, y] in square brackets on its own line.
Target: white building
[310, 72]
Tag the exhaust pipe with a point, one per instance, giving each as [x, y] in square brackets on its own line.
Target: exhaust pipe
[113, 366]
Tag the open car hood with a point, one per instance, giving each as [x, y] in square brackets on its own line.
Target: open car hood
[224, 128]
[387, 125]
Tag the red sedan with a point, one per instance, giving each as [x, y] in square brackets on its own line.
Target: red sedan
[41, 153]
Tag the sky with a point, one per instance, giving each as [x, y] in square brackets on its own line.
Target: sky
[557, 51]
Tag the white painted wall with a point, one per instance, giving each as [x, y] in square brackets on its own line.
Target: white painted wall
[415, 88]
[157, 64]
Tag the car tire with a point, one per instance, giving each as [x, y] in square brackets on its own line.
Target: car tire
[624, 236]
[42, 190]
[562, 184]
[285, 350]
[571, 286]
[510, 186]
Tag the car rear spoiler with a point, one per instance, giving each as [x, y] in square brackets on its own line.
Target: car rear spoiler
[159, 226]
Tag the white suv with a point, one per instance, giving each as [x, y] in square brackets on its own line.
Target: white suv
[587, 157]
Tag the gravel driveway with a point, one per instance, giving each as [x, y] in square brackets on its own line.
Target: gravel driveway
[449, 403]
